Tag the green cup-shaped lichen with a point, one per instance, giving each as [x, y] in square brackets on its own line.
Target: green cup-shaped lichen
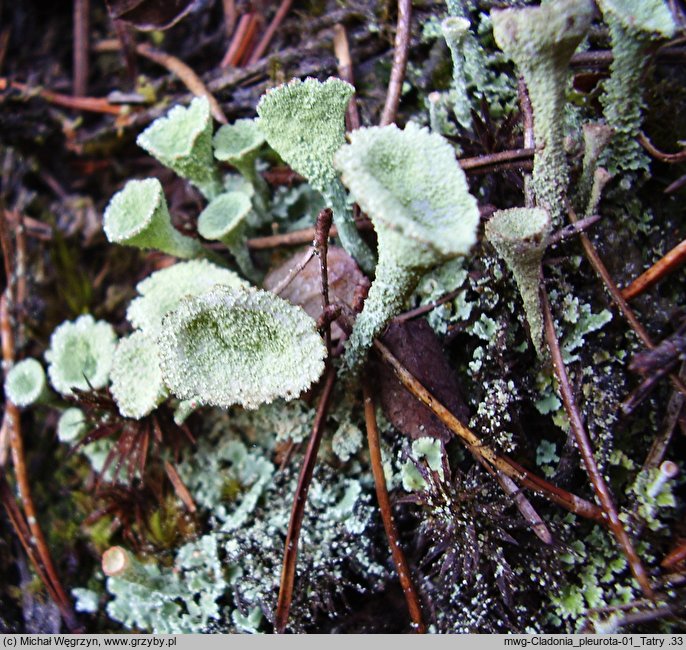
[182, 141]
[80, 354]
[304, 122]
[25, 383]
[596, 139]
[633, 25]
[541, 41]
[416, 195]
[162, 291]
[239, 346]
[137, 384]
[138, 216]
[520, 236]
[238, 144]
[71, 425]
[455, 32]
[225, 220]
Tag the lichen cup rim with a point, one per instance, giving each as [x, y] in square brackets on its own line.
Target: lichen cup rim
[110, 218]
[537, 223]
[623, 12]
[240, 127]
[33, 370]
[236, 205]
[149, 141]
[378, 202]
[246, 370]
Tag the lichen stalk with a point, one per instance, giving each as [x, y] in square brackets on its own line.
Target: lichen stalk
[455, 31]
[541, 41]
[385, 300]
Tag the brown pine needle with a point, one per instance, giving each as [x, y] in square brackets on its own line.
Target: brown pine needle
[663, 267]
[586, 450]
[397, 554]
[502, 463]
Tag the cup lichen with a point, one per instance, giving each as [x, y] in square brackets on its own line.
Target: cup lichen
[182, 141]
[520, 235]
[25, 383]
[416, 195]
[304, 122]
[239, 145]
[138, 216]
[225, 220]
[541, 41]
[80, 354]
[239, 346]
[162, 291]
[455, 30]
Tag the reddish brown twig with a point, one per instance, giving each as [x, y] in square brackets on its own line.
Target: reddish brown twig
[345, 71]
[91, 104]
[675, 556]
[425, 309]
[304, 261]
[174, 65]
[290, 555]
[672, 158]
[502, 463]
[242, 40]
[400, 54]
[586, 450]
[676, 185]
[616, 296]
[401, 566]
[321, 248]
[81, 20]
[663, 267]
[179, 486]
[266, 39]
[230, 16]
[491, 159]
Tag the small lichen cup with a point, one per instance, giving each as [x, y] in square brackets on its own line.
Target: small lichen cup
[182, 141]
[239, 145]
[541, 41]
[239, 346]
[520, 235]
[138, 216]
[225, 219]
[25, 383]
[163, 290]
[416, 195]
[80, 354]
[304, 122]
[455, 30]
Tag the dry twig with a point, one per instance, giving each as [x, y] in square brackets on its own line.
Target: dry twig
[401, 566]
[585, 449]
[266, 39]
[81, 28]
[400, 54]
[663, 267]
[502, 463]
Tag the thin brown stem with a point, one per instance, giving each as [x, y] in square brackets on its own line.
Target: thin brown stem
[91, 104]
[672, 158]
[230, 16]
[425, 309]
[583, 443]
[304, 261]
[672, 261]
[616, 296]
[266, 39]
[81, 30]
[243, 36]
[500, 462]
[341, 49]
[321, 248]
[400, 54]
[490, 159]
[401, 566]
[290, 556]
